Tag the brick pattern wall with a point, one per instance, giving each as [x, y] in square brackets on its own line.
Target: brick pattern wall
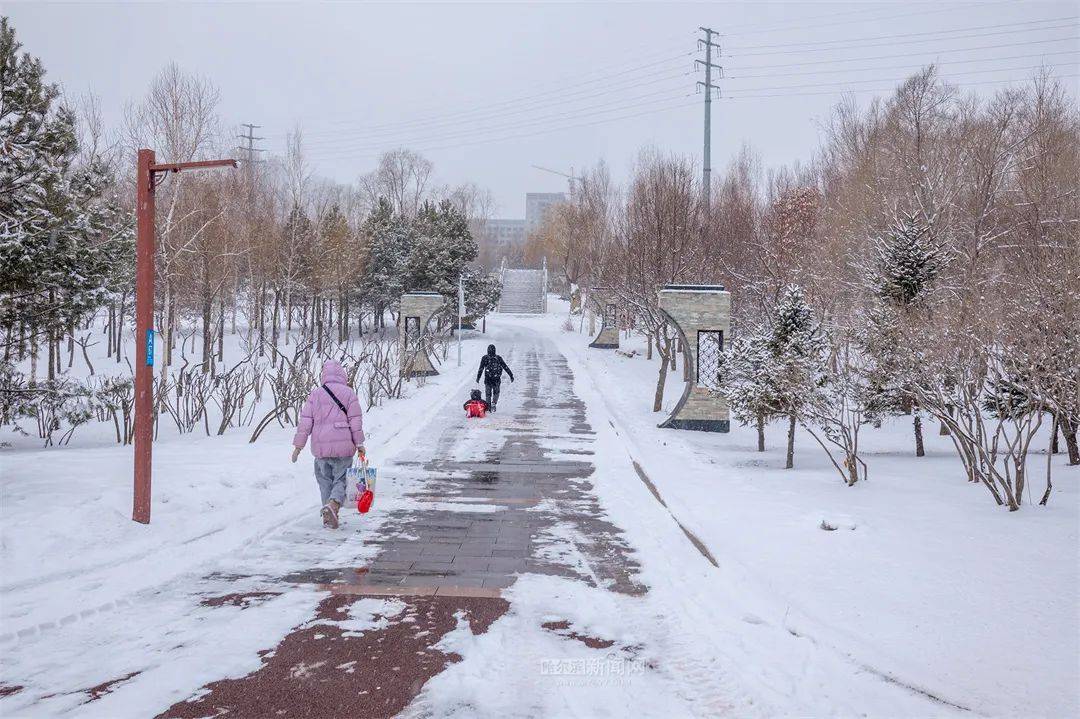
[694, 310]
[420, 305]
[608, 338]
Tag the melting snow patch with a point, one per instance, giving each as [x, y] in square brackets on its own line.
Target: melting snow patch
[365, 615]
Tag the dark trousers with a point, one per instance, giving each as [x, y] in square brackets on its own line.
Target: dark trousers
[491, 392]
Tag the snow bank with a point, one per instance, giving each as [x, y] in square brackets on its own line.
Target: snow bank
[924, 583]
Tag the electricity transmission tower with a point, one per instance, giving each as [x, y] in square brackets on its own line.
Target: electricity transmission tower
[707, 43]
[248, 156]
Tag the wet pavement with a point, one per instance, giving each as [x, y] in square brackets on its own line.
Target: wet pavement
[487, 501]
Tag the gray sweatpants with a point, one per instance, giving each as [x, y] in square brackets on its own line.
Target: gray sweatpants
[330, 474]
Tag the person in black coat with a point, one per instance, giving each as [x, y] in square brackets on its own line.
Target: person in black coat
[492, 366]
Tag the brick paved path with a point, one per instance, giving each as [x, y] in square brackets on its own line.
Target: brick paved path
[489, 500]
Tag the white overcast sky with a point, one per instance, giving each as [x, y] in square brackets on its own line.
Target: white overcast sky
[486, 90]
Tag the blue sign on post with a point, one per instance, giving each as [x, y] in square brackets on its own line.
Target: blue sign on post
[149, 348]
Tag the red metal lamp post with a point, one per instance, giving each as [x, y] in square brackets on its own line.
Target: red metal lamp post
[146, 179]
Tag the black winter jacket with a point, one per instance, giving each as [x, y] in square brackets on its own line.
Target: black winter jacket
[492, 366]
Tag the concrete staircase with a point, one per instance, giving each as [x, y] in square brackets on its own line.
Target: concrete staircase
[523, 291]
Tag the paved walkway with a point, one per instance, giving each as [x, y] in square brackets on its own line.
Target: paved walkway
[491, 500]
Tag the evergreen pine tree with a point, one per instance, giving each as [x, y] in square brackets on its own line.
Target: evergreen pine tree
[905, 262]
[391, 242]
[444, 245]
[62, 230]
[776, 367]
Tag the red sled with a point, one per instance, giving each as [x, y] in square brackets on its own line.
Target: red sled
[363, 502]
[475, 408]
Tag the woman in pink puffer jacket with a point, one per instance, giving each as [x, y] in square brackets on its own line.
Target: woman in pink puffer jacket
[331, 417]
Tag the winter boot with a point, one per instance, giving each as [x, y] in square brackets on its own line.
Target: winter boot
[330, 514]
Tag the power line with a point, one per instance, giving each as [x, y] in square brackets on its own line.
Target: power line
[905, 54]
[614, 104]
[537, 100]
[539, 132]
[434, 124]
[803, 26]
[739, 96]
[1065, 26]
[912, 34]
[878, 79]
[650, 112]
[611, 106]
[683, 57]
[899, 67]
[667, 108]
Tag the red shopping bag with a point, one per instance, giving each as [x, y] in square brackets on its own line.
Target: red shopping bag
[366, 489]
[363, 503]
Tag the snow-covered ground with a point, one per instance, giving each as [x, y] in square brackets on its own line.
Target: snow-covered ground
[926, 581]
[65, 527]
[926, 601]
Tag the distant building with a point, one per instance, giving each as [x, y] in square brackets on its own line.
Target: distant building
[537, 205]
[501, 239]
[505, 239]
[505, 232]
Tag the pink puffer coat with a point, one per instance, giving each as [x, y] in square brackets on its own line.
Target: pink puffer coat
[332, 433]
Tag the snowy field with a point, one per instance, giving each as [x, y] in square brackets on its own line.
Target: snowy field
[926, 581]
[927, 600]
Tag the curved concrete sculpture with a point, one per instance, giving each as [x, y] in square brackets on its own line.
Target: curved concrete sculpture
[608, 339]
[417, 309]
[702, 316]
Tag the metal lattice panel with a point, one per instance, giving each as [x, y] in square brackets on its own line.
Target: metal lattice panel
[412, 331]
[710, 344]
[610, 315]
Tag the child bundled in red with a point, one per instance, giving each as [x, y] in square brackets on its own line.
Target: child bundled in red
[476, 406]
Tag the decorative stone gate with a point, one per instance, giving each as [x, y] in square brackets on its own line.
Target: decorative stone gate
[608, 339]
[417, 309]
[702, 316]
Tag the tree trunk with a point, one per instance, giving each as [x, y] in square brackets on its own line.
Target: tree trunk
[658, 398]
[235, 301]
[790, 442]
[919, 450]
[943, 429]
[221, 330]
[120, 314]
[288, 313]
[207, 335]
[1049, 462]
[1054, 448]
[51, 343]
[852, 467]
[1068, 428]
[166, 314]
[33, 359]
[110, 329]
[274, 322]
[260, 315]
[760, 432]
[71, 345]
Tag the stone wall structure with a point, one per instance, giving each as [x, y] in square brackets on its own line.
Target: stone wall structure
[608, 339]
[702, 316]
[417, 309]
